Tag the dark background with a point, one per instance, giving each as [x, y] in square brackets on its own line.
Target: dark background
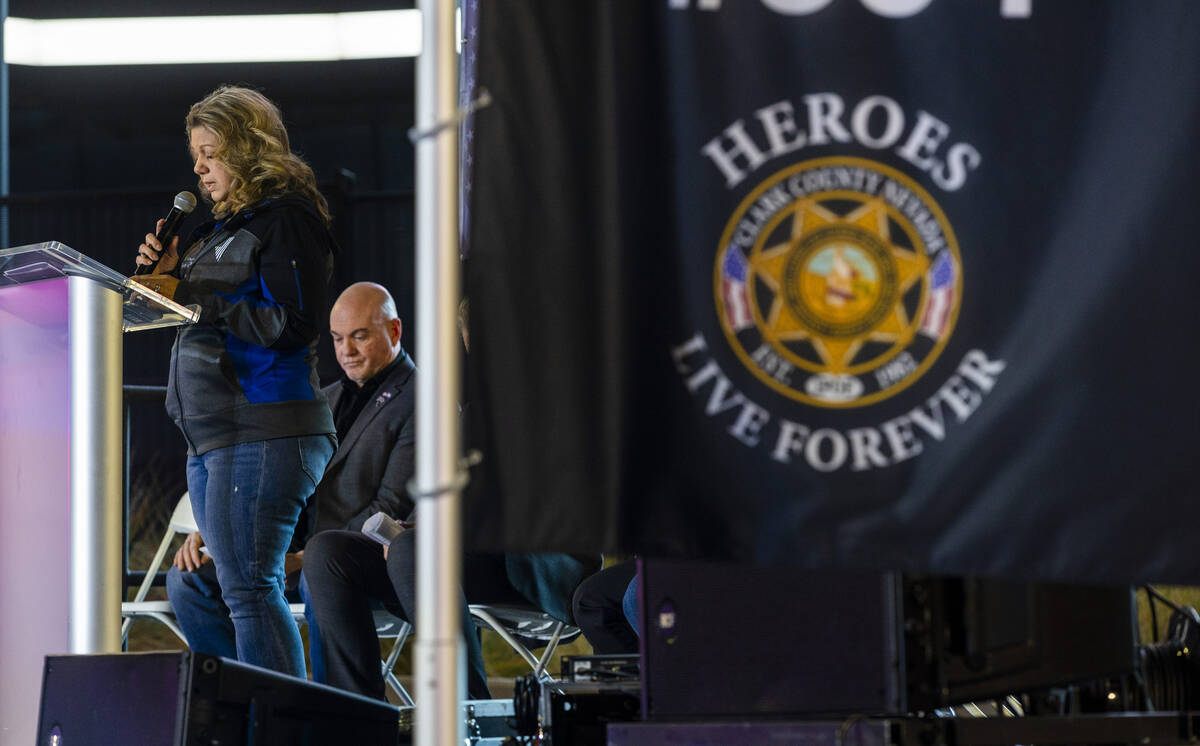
[116, 135]
[114, 127]
[97, 153]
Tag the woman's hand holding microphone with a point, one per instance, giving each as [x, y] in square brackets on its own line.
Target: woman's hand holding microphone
[151, 251]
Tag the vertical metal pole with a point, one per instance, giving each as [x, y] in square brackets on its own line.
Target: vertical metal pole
[440, 658]
[94, 332]
[4, 152]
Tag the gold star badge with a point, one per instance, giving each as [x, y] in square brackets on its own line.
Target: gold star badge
[837, 282]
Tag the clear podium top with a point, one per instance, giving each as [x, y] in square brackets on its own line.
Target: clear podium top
[142, 308]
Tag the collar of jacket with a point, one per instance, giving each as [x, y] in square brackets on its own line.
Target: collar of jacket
[232, 224]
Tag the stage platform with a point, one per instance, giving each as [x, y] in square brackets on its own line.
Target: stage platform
[1146, 729]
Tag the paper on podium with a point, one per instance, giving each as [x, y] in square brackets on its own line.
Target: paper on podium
[142, 308]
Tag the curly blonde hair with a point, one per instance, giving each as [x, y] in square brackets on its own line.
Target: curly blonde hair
[253, 144]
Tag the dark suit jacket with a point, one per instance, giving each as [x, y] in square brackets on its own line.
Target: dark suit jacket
[370, 470]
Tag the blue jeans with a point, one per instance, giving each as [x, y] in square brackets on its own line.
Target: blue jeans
[629, 604]
[196, 600]
[247, 499]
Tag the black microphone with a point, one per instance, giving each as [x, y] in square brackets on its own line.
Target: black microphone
[185, 202]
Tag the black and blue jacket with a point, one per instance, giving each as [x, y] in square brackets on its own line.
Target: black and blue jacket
[246, 371]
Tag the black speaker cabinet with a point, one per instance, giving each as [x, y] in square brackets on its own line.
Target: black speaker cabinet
[738, 640]
[181, 699]
[724, 639]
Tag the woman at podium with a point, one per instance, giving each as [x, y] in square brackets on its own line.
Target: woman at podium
[243, 386]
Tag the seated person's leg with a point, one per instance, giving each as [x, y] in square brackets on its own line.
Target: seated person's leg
[195, 598]
[485, 581]
[598, 610]
[316, 654]
[344, 571]
[401, 568]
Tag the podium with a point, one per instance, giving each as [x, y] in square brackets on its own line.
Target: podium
[61, 320]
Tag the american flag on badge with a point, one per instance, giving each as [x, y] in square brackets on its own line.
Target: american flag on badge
[733, 290]
[941, 296]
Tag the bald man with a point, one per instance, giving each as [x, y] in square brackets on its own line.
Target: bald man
[372, 408]
[346, 572]
[373, 411]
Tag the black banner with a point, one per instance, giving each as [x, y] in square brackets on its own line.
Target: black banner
[877, 283]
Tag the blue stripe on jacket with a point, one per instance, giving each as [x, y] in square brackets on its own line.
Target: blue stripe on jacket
[267, 375]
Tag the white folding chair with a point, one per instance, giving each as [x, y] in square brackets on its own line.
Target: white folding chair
[525, 628]
[182, 522]
[387, 625]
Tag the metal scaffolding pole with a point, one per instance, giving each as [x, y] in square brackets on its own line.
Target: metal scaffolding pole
[439, 659]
